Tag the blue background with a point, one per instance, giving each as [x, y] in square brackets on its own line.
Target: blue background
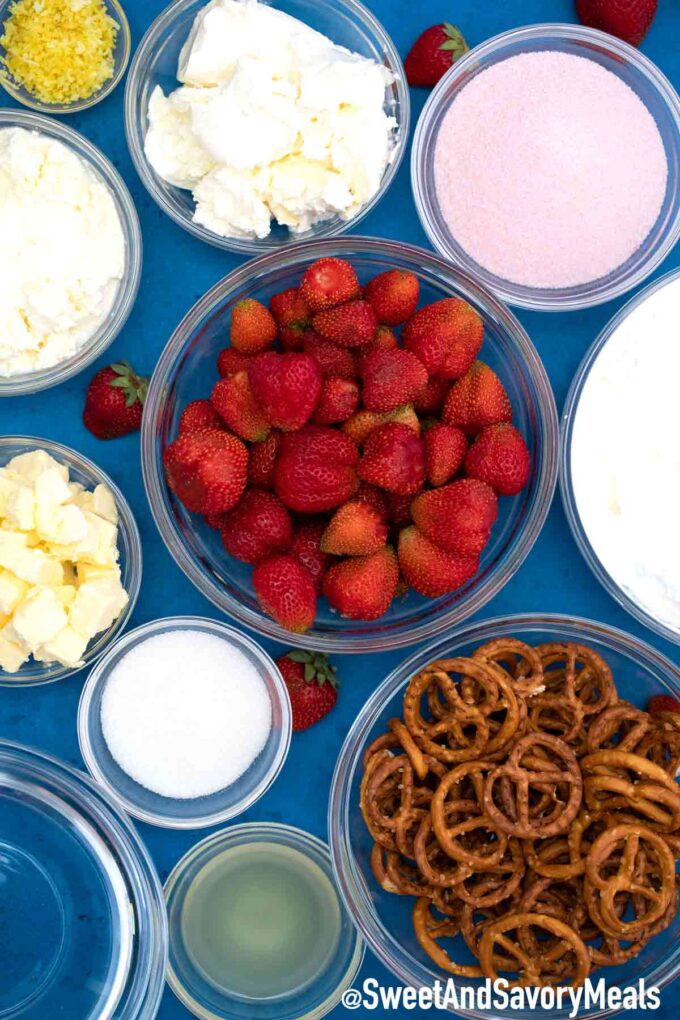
[177, 271]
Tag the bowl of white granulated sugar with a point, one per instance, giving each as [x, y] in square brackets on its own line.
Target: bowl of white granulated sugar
[185, 721]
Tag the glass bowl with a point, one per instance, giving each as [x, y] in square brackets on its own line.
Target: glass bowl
[567, 490]
[186, 371]
[121, 57]
[83, 913]
[628, 64]
[88, 474]
[346, 22]
[384, 919]
[198, 812]
[199, 995]
[32, 382]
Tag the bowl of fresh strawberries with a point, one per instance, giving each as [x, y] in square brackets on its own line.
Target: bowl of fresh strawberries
[349, 441]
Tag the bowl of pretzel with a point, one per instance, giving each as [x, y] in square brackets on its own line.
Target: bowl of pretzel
[505, 807]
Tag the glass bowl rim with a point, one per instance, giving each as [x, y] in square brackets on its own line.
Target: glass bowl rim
[126, 295]
[566, 486]
[92, 800]
[254, 246]
[356, 899]
[60, 109]
[520, 295]
[237, 638]
[248, 832]
[452, 277]
[126, 521]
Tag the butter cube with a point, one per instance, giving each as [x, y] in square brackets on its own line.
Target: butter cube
[94, 572]
[96, 606]
[19, 507]
[12, 656]
[12, 590]
[61, 525]
[101, 545]
[51, 488]
[38, 617]
[32, 565]
[67, 647]
[103, 504]
[32, 465]
[66, 594]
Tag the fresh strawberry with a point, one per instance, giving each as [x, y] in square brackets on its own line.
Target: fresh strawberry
[362, 587]
[230, 361]
[306, 547]
[285, 591]
[355, 529]
[499, 456]
[329, 282]
[293, 317]
[263, 460]
[477, 400]
[214, 521]
[446, 335]
[431, 399]
[235, 403]
[287, 386]
[253, 328]
[351, 325]
[394, 459]
[393, 295]
[114, 401]
[332, 360]
[316, 469]
[663, 703]
[433, 53]
[207, 470]
[391, 379]
[199, 414]
[312, 686]
[259, 526]
[385, 339]
[429, 569]
[398, 509]
[374, 497]
[361, 424]
[630, 20]
[458, 517]
[445, 449]
[339, 400]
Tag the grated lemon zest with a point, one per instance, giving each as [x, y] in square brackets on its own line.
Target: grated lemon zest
[60, 51]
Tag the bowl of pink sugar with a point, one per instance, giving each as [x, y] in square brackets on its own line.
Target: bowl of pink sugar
[546, 163]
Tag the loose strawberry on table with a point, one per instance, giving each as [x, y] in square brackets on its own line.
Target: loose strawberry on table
[433, 53]
[312, 686]
[114, 401]
[354, 448]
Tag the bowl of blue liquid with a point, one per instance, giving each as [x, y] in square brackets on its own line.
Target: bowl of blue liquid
[83, 931]
[257, 928]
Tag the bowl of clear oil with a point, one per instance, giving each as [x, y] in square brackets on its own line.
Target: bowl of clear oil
[257, 929]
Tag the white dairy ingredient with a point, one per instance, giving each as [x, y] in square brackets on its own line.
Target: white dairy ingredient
[185, 713]
[625, 456]
[62, 254]
[273, 120]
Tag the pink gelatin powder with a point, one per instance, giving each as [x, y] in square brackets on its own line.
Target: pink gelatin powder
[549, 170]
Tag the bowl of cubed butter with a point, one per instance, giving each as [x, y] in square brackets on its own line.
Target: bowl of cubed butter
[70, 561]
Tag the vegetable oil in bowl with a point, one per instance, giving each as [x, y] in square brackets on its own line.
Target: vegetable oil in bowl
[260, 921]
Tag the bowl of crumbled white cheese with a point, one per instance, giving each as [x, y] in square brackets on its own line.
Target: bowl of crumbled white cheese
[70, 261]
[254, 125]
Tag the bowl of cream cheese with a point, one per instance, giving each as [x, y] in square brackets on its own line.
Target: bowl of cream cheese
[71, 257]
[255, 125]
[620, 461]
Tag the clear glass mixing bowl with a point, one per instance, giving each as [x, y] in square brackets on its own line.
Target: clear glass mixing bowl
[88, 474]
[346, 22]
[384, 919]
[84, 923]
[186, 371]
[627, 63]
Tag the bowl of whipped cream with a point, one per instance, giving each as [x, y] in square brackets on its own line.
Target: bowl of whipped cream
[620, 462]
[71, 257]
[254, 125]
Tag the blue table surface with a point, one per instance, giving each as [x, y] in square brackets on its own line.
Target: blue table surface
[177, 271]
